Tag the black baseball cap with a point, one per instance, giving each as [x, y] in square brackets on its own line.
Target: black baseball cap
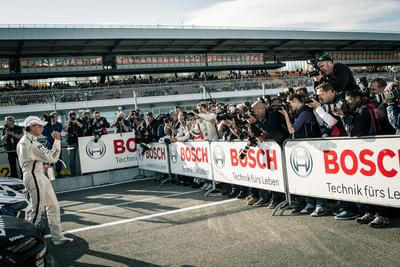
[325, 57]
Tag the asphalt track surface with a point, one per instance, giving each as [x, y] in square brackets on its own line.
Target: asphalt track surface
[143, 224]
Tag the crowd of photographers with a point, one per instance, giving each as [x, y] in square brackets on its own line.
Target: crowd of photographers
[339, 106]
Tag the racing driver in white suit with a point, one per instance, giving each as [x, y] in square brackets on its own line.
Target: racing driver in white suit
[31, 156]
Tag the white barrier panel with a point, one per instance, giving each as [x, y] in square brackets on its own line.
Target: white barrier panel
[111, 151]
[191, 159]
[355, 170]
[261, 168]
[155, 159]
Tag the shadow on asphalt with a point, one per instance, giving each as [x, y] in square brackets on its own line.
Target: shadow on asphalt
[69, 255]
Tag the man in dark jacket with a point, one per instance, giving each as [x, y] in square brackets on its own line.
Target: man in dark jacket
[98, 125]
[53, 125]
[305, 125]
[74, 130]
[10, 137]
[339, 75]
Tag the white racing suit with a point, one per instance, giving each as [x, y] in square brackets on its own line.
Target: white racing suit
[31, 155]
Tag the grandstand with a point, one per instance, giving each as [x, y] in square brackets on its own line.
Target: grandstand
[79, 66]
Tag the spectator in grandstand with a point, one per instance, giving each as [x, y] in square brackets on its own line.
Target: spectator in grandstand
[74, 129]
[12, 133]
[120, 124]
[85, 122]
[98, 125]
[339, 75]
[378, 86]
[53, 125]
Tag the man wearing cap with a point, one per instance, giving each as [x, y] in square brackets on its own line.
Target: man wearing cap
[53, 126]
[10, 137]
[339, 75]
[31, 156]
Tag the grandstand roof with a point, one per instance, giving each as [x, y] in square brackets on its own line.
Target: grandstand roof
[45, 40]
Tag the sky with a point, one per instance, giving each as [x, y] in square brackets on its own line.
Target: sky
[370, 15]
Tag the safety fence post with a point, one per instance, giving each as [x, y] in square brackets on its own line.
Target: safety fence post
[287, 203]
[214, 189]
[170, 178]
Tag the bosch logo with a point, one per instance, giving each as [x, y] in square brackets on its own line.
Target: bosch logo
[301, 161]
[173, 154]
[96, 150]
[219, 157]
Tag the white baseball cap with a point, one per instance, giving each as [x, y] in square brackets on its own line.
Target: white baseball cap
[32, 120]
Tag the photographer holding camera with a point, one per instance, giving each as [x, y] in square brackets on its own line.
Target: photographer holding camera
[377, 88]
[266, 122]
[52, 126]
[120, 124]
[207, 122]
[74, 130]
[337, 74]
[393, 108]
[330, 123]
[304, 126]
[12, 133]
[85, 122]
[98, 125]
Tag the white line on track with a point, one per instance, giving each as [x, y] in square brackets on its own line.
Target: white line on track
[146, 217]
[105, 185]
[130, 202]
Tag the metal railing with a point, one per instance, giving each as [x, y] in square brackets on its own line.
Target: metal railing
[48, 96]
[17, 98]
[185, 27]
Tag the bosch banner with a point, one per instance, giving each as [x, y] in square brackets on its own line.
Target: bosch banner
[154, 159]
[191, 159]
[358, 170]
[260, 168]
[109, 152]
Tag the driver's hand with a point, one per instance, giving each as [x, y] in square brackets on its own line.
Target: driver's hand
[56, 135]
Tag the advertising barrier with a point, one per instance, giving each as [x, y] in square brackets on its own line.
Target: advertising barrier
[154, 159]
[363, 170]
[191, 159]
[261, 168]
[109, 152]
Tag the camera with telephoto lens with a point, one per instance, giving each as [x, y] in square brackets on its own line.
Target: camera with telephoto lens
[392, 95]
[339, 106]
[252, 142]
[316, 71]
